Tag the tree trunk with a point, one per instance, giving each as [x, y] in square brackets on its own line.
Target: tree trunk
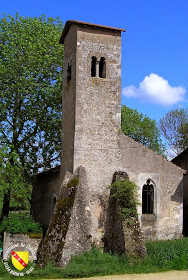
[6, 205]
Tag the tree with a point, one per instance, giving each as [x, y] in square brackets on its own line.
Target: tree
[141, 128]
[174, 127]
[12, 181]
[31, 86]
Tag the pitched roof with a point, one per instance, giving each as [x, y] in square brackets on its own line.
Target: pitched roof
[85, 24]
[180, 155]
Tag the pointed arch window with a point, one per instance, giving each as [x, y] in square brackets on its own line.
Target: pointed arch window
[148, 198]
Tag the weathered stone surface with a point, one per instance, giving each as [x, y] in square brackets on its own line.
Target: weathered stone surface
[10, 240]
[54, 240]
[114, 239]
[134, 242]
[92, 137]
[78, 238]
[182, 161]
[122, 236]
[45, 191]
[141, 164]
[92, 140]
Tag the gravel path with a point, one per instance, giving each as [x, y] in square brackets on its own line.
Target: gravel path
[170, 275]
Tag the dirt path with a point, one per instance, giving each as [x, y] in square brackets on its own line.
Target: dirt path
[171, 275]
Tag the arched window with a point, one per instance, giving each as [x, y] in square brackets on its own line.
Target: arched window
[147, 198]
[93, 66]
[68, 72]
[102, 68]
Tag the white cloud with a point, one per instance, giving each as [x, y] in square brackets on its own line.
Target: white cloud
[156, 89]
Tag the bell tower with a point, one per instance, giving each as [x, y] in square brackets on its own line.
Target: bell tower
[91, 95]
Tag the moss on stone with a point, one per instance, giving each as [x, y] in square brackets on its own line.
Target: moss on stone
[74, 182]
[124, 200]
[59, 224]
[34, 235]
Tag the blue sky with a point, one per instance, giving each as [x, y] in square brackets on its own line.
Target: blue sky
[154, 48]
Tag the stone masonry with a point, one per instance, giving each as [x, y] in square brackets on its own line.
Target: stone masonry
[182, 161]
[92, 140]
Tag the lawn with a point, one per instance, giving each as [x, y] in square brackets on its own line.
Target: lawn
[162, 256]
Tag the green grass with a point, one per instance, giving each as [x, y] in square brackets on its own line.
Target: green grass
[162, 256]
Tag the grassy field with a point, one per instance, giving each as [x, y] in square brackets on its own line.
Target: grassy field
[162, 256]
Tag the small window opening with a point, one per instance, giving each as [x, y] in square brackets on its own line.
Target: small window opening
[68, 72]
[147, 198]
[102, 68]
[93, 66]
[53, 203]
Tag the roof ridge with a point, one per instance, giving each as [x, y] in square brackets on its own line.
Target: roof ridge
[71, 22]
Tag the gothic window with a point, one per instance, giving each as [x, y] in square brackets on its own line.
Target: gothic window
[68, 72]
[93, 66]
[102, 68]
[147, 198]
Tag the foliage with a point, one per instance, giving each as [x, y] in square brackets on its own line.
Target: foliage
[126, 194]
[141, 128]
[164, 252]
[31, 86]
[19, 223]
[12, 178]
[174, 127]
[30, 98]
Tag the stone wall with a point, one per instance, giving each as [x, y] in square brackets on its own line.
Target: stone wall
[141, 164]
[92, 111]
[182, 161]
[19, 239]
[45, 193]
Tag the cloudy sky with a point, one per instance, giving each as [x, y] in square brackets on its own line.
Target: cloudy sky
[154, 48]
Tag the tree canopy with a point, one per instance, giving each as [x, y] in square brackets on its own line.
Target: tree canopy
[31, 87]
[174, 127]
[30, 98]
[141, 128]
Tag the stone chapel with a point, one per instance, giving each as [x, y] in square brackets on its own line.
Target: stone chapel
[94, 148]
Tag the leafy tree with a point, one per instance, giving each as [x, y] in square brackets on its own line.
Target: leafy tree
[12, 181]
[141, 128]
[31, 86]
[174, 127]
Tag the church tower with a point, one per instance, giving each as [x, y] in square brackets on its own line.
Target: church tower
[91, 97]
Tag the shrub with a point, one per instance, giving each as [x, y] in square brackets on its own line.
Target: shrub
[126, 194]
[19, 223]
[169, 253]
